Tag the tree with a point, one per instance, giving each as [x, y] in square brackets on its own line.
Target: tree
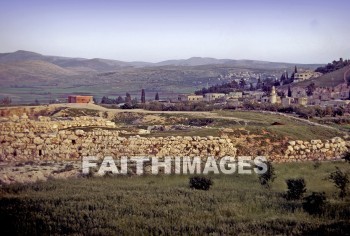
[277, 83]
[251, 87]
[283, 78]
[346, 156]
[310, 89]
[104, 99]
[314, 203]
[289, 92]
[120, 100]
[295, 69]
[259, 84]
[242, 83]
[143, 96]
[156, 97]
[296, 188]
[340, 180]
[269, 176]
[128, 98]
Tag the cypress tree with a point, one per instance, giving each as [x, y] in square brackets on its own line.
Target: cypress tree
[143, 96]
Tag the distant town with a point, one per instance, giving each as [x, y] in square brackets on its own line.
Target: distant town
[250, 91]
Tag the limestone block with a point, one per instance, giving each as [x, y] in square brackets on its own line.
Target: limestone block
[38, 140]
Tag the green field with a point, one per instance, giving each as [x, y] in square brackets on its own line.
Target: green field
[165, 205]
[291, 128]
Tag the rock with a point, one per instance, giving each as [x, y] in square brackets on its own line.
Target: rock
[292, 143]
[79, 132]
[144, 131]
[299, 142]
[38, 140]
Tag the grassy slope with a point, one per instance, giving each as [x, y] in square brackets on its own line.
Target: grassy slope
[165, 205]
[256, 123]
[291, 128]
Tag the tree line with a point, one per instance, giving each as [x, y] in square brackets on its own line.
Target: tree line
[335, 65]
[127, 99]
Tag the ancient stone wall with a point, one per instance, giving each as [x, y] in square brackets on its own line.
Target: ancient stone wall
[315, 150]
[46, 139]
[23, 139]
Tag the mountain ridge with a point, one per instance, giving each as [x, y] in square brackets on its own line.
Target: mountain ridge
[101, 64]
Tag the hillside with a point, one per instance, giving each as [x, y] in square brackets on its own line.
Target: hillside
[331, 79]
[31, 72]
[99, 64]
[28, 76]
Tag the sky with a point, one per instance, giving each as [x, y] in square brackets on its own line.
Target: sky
[299, 31]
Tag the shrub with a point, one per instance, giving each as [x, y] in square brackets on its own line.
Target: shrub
[269, 176]
[346, 156]
[340, 180]
[314, 203]
[201, 183]
[200, 122]
[316, 164]
[296, 188]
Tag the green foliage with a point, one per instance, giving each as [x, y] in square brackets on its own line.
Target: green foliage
[200, 121]
[335, 65]
[296, 188]
[200, 183]
[314, 204]
[340, 180]
[222, 88]
[269, 176]
[310, 89]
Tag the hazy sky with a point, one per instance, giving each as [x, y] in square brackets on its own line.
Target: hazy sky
[274, 30]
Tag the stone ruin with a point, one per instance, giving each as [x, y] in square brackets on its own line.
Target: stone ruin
[23, 139]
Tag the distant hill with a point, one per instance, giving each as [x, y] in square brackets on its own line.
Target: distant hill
[31, 71]
[199, 61]
[79, 64]
[27, 76]
[98, 64]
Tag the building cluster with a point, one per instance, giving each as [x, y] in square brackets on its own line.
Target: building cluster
[306, 75]
[321, 96]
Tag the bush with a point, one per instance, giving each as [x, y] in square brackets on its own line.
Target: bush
[340, 180]
[269, 176]
[201, 183]
[316, 164]
[200, 122]
[346, 156]
[314, 203]
[296, 188]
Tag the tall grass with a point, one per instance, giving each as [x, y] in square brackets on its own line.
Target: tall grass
[124, 205]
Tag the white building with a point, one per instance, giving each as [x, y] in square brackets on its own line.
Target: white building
[213, 96]
[190, 98]
[235, 95]
[305, 75]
